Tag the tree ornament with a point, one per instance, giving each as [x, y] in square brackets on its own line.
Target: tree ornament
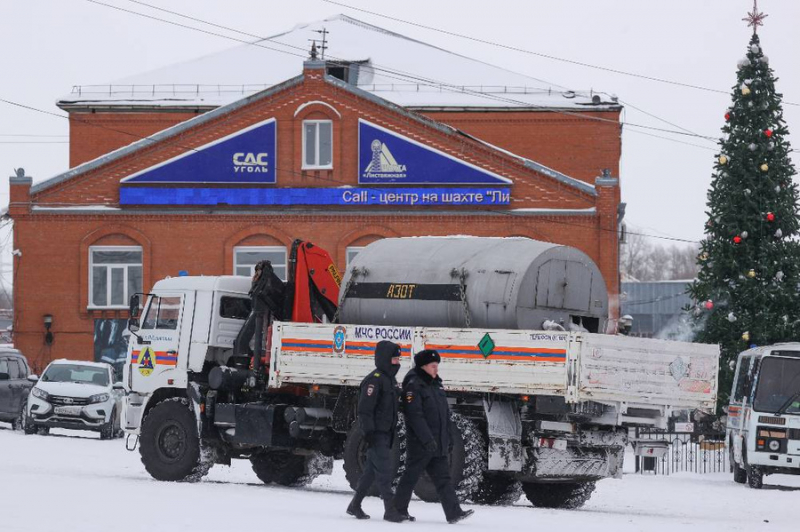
[746, 91]
[778, 233]
[754, 48]
[704, 256]
[737, 239]
[777, 188]
[745, 234]
[743, 62]
[764, 59]
[779, 276]
[770, 217]
[746, 336]
[727, 116]
[768, 132]
[752, 146]
[764, 167]
[731, 317]
[723, 159]
[709, 304]
[751, 274]
[749, 104]
[747, 192]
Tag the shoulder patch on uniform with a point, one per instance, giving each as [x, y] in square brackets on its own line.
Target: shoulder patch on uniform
[370, 389]
[377, 374]
[409, 397]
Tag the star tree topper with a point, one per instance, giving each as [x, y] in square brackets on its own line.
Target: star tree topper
[755, 18]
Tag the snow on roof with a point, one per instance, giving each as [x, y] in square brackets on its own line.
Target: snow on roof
[386, 60]
[227, 283]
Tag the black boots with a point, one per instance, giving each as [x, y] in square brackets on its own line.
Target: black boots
[460, 516]
[391, 514]
[354, 508]
[406, 516]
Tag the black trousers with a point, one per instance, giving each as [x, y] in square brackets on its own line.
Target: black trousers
[438, 468]
[377, 468]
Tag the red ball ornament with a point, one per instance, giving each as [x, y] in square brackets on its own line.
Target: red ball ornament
[709, 304]
[737, 239]
[768, 132]
[770, 217]
[727, 116]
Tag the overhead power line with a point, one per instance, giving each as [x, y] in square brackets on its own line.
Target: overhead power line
[399, 75]
[538, 54]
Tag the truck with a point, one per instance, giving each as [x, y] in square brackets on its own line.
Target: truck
[222, 368]
[763, 424]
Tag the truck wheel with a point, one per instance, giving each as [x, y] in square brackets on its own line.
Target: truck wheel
[467, 461]
[569, 495]
[169, 443]
[739, 473]
[355, 456]
[497, 489]
[285, 468]
[755, 477]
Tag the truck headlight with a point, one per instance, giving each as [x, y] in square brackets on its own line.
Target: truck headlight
[99, 398]
[774, 445]
[41, 394]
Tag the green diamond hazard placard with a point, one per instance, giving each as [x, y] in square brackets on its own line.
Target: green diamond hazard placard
[486, 345]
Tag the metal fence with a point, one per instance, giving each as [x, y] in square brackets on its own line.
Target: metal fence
[685, 452]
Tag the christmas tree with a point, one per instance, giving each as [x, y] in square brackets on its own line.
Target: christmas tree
[749, 261]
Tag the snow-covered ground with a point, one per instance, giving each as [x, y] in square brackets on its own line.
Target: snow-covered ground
[72, 481]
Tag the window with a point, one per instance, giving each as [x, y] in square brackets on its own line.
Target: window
[115, 273]
[245, 260]
[352, 251]
[741, 378]
[235, 308]
[163, 313]
[3, 365]
[317, 144]
[14, 371]
[778, 382]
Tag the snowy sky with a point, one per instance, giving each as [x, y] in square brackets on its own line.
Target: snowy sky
[50, 45]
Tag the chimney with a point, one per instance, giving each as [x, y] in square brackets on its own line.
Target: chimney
[19, 201]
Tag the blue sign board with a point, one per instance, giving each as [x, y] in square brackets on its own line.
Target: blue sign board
[476, 196]
[247, 156]
[386, 157]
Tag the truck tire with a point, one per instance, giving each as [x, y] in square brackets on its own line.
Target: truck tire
[739, 473]
[169, 444]
[497, 489]
[467, 461]
[569, 495]
[355, 455]
[284, 468]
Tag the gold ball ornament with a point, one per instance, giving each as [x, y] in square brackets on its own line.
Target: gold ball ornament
[723, 159]
[746, 336]
[704, 256]
[745, 91]
[764, 167]
[751, 274]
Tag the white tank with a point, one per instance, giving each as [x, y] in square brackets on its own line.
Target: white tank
[498, 283]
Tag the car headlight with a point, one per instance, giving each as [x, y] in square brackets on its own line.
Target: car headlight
[99, 398]
[41, 394]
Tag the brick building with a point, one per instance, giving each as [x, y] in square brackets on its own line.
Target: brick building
[322, 153]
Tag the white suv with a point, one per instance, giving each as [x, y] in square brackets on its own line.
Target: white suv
[73, 394]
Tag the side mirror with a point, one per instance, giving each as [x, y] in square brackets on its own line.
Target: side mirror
[133, 325]
[33, 378]
[134, 306]
[4, 377]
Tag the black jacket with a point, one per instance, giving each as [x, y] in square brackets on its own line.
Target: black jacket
[378, 399]
[426, 411]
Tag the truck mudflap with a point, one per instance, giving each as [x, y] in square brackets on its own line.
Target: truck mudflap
[573, 463]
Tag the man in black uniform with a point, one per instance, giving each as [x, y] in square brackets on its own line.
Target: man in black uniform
[428, 421]
[377, 418]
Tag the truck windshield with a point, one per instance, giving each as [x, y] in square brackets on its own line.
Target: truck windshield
[778, 380]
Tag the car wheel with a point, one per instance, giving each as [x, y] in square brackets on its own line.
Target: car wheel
[19, 422]
[109, 430]
[43, 431]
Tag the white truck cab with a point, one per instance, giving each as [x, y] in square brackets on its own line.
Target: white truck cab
[763, 431]
[186, 321]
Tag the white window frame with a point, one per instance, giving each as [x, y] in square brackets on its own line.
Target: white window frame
[348, 250]
[124, 266]
[246, 249]
[317, 166]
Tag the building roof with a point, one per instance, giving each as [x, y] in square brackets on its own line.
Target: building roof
[383, 62]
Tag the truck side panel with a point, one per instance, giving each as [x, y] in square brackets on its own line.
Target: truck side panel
[647, 371]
